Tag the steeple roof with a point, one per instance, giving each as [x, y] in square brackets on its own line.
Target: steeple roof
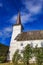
[18, 19]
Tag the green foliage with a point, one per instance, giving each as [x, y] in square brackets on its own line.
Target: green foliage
[39, 55]
[16, 57]
[2, 59]
[3, 52]
[27, 54]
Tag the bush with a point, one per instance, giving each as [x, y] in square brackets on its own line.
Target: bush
[2, 59]
[16, 57]
[27, 54]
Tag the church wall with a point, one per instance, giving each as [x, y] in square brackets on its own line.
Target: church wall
[13, 43]
[32, 42]
[16, 31]
[21, 45]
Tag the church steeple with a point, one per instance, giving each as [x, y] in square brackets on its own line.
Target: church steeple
[18, 22]
[18, 19]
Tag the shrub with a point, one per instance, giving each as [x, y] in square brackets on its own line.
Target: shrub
[2, 59]
[16, 57]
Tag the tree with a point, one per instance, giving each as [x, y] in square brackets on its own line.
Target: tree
[16, 57]
[27, 54]
[39, 55]
[3, 53]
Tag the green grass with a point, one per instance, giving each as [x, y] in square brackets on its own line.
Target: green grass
[6, 64]
[12, 64]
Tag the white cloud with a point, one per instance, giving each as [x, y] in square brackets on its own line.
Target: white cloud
[35, 9]
[1, 34]
[13, 19]
[1, 5]
[33, 6]
[6, 32]
[8, 29]
[25, 17]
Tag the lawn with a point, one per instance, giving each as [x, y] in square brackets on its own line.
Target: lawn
[6, 64]
[12, 64]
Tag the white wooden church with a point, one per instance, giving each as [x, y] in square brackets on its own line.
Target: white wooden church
[20, 39]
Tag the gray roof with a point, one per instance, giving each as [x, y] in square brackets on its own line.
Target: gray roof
[30, 35]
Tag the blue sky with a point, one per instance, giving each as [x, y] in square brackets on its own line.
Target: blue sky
[31, 16]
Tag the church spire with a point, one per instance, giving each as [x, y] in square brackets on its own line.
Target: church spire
[18, 19]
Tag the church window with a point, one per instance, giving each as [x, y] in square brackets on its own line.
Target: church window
[21, 44]
[31, 44]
